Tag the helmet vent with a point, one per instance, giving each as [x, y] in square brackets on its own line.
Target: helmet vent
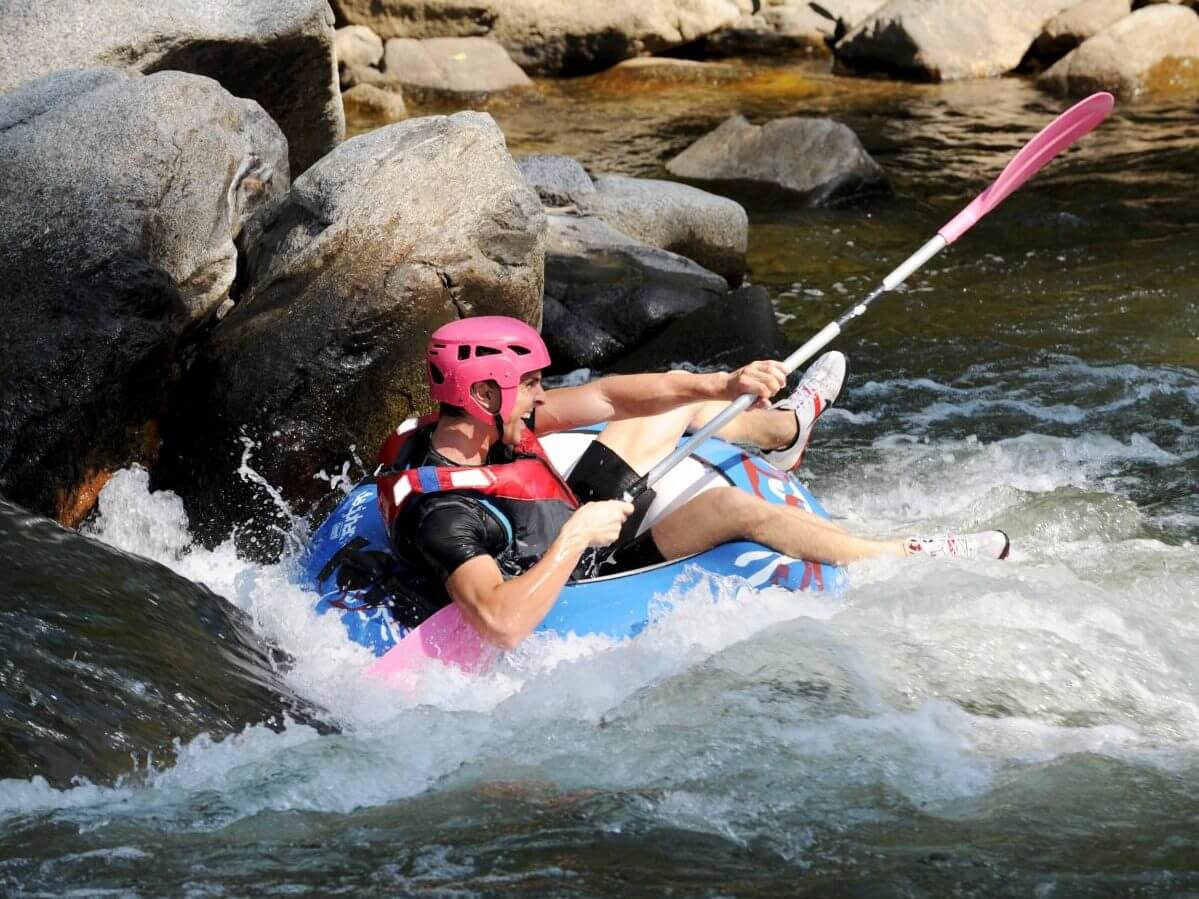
[435, 374]
[486, 351]
[519, 350]
[463, 352]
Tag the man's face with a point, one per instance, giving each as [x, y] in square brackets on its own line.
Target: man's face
[529, 395]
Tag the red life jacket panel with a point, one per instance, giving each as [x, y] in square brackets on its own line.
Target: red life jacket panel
[528, 494]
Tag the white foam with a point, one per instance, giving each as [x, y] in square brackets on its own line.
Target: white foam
[931, 680]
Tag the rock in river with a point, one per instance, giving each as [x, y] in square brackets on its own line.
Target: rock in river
[551, 37]
[704, 227]
[369, 103]
[278, 52]
[558, 180]
[122, 196]
[606, 293]
[942, 40]
[1071, 27]
[780, 27]
[357, 45]
[1155, 48]
[726, 334]
[107, 658]
[790, 161]
[451, 68]
[395, 232]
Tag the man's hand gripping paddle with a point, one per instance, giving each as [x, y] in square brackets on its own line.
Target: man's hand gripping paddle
[446, 636]
[1059, 134]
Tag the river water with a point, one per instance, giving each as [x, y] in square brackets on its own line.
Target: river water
[1027, 728]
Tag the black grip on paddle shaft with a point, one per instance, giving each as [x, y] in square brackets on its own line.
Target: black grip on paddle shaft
[635, 489]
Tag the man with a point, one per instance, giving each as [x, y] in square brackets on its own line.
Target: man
[471, 500]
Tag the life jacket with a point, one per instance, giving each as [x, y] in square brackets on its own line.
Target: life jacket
[527, 495]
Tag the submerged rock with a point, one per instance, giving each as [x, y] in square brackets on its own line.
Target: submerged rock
[367, 102]
[790, 161]
[549, 37]
[279, 53]
[664, 70]
[393, 234]
[123, 196]
[452, 67]
[1154, 49]
[1071, 27]
[106, 658]
[942, 40]
[606, 293]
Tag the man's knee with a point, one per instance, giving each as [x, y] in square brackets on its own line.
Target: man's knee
[735, 508]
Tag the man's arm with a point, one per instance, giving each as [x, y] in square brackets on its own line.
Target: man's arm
[632, 396]
[505, 612]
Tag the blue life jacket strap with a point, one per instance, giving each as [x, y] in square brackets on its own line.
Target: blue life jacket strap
[500, 516]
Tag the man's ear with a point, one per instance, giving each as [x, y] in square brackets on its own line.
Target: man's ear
[487, 394]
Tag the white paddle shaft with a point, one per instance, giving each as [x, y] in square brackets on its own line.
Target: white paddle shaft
[813, 346]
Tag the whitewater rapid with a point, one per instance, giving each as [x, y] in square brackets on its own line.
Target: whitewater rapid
[744, 713]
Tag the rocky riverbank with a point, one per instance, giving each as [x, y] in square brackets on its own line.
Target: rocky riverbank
[196, 263]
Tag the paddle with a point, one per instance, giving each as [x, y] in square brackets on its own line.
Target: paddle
[1059, 134]
[448, 637]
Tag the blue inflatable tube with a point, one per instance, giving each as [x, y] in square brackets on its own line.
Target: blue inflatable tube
[618, 605]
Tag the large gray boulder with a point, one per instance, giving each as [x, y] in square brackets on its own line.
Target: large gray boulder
[786, 162]
[1154, 49]
[942, 40]
[606, 293]
[392, 234]
[704, 227]
[550, 37]
[1072, 26]
[100, 672]
[558, 180]
[122, 197]
[277, 52]
[452, 68]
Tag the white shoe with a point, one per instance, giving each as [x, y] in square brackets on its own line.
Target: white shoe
[983, 545]
[817, 391]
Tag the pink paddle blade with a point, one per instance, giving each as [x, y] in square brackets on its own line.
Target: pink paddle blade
[444, 637]
[1072, 124]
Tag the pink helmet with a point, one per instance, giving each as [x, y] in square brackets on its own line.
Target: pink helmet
[486, 348]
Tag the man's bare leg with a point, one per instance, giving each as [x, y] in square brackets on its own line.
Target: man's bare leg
[763, 428]
[643, 442]
[726, 514]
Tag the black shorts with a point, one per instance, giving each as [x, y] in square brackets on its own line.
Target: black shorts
[600, 474]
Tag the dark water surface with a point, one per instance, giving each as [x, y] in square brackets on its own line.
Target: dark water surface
[1019, 728]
